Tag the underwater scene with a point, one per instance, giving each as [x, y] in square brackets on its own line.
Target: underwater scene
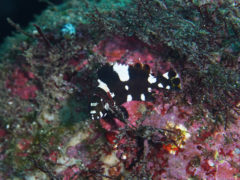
[123, 90]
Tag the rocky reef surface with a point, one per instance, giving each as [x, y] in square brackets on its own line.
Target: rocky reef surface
[49, 75]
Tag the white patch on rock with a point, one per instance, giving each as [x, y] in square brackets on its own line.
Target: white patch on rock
[124, 157]
[48, 116]
[110, 159]
[167, 87]
[122, 71]
[126, 87]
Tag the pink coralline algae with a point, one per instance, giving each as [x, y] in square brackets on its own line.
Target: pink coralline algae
[118, 48]
[53, 156]
[71, 173]
[2, 133]
[79, 62]
[79, 152]
[131, 51]
[18, 84]
[24, 144]
[163, 134]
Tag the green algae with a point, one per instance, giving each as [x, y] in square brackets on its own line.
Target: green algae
[53, 18]
[195, 32]
[192, 28]
[74, 111]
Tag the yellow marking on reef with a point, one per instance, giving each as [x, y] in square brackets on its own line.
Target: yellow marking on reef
[216, 154]
[179, 136]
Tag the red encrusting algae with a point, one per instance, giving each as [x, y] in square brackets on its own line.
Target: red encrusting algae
[161, 133]
[18, 84]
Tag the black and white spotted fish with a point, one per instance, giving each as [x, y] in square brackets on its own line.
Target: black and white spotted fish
[129, 83]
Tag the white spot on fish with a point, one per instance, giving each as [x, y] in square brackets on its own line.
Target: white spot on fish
[122, 71]
[103, 86]
[142, 97]
[129, 98]
[160, 85]
[112, 94]
[166, 75]
[93, 112]
[94, 104]
[152, 79]
[106, 106]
